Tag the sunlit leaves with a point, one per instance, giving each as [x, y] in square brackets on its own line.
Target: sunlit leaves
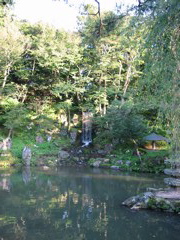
[161, 80]
[12, 45]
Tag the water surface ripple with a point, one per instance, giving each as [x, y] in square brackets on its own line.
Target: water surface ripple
[79, 204]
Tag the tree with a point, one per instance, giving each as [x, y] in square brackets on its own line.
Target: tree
[12, 45]
[122, 124]
[114, 58]
[161, 75]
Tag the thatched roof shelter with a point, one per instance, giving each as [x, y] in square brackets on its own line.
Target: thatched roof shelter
[154, 137]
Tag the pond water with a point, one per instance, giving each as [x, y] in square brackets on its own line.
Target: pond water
[79, 204]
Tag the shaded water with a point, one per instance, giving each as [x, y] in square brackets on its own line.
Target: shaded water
[79, 204]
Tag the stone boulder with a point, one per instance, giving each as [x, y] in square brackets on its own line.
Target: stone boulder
[115, 167]
[139, 201]
[96, 163]
[73, 136]
[169, 193]
[39, 139]
[102, 152]
[108, 147]
[173, 182]
[63, 132]
[173, 164]
[172, 172]
[48, 138]
[6, 144]
[106, 160]
[120, 162]
[156, 200]
[62, 155]
[26, 156]
[128, 163]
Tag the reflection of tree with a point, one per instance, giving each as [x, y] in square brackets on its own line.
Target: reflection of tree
[20, 230]
[26, 174]
[72, 206]
[5, 184]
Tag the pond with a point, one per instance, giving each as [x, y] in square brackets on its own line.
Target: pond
[79, 204]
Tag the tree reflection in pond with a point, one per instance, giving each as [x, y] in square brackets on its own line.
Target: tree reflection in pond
[79, 204]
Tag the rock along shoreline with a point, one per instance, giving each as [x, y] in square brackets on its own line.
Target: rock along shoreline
[167, 200]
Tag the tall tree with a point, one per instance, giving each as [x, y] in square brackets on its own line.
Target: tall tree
[162, 69]
[12, 45]
[114, 58]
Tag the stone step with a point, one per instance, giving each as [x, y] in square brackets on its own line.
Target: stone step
[169, 194]
[172, 172]
[173, 182]
[174, 164]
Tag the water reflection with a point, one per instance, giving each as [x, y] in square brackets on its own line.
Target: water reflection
[26, 174]
[5, 184]
[78, 204]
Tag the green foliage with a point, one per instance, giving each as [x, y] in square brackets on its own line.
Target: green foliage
[16, 118]
[122, 124]
[44, 124]
[161, 75]
[39, 150]
[152, 162]
[12, 45]
[125, 69]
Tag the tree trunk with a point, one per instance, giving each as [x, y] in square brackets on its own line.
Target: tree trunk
[175, 107]
[33, 67]
[126, 84]
[6, 74]
[10, 133]
[69, 119]
[120, 70]
[105, 97]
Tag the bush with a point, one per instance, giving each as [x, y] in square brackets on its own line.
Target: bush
[122, 124]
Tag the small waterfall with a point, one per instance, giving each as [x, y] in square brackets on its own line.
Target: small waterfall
[86, 128]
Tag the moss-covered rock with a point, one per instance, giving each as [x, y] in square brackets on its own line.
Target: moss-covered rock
[150, 200]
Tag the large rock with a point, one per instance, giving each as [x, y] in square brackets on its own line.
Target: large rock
[139, 201]
[106, 160]
[26, 156]
[63, 155]
[156, 201]
[73, 136]
[102, 152]
[170, 193]
[120, 162]
[173, 182]
[96, 163]
[6, 144]
[115, 167]
[172, 172]
[39, 139]
[128, 163]
[108, 147]
[63, 132]
[173, 164]
[48, 138]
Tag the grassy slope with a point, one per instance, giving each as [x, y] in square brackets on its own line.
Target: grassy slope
[39, 150]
